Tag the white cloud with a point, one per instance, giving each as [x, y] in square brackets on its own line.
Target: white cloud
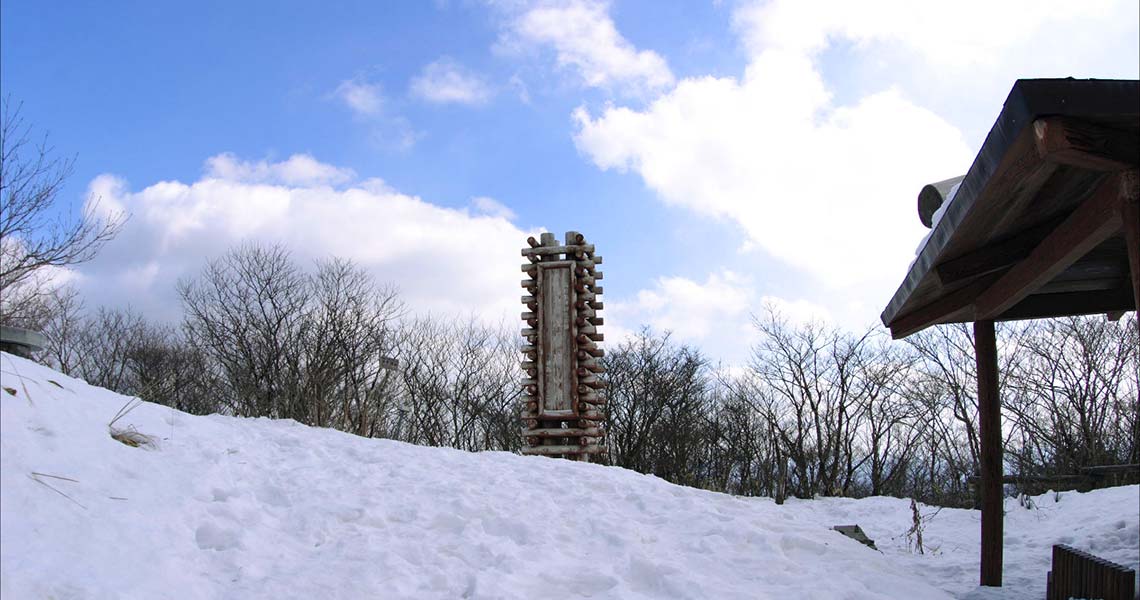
[964, 34]
[585, 40]
[694, 310]
[367, 103]
[447, 82]
[825, 188]
[956, 58]
[520, 88]
[492, 208]
[714, 315]
[175, 227]
[39, 281]
[297, 170]
[363, 98]
[795, 311]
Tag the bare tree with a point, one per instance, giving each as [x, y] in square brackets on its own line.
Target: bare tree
[460, 384]
[1073, 396]
[890, 431]
[352, 323]
[34, 234]
[807, 376]
[657, 407]
[293, 344]
[746, 455]
[247, 311]
[64, 328]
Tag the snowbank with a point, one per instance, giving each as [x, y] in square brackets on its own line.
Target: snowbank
[1105, 522]
[252, 508]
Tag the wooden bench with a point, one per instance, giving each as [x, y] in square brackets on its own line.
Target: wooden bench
[1078, 574]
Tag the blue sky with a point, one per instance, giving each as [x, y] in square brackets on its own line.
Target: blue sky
[722, 155]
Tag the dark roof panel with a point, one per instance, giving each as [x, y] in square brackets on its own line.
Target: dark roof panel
[1009, 191]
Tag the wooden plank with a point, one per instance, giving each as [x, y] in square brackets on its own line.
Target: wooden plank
[1060, 571]
[1108, 469]
[1000, 205]
[995, 256]
[558, 392]
[568, 432]
[1094, 221]
[1013, 479]
[559, 450]
[546, 250]
[989, 428]
[1126, 584]
[1076, 143]
[1093, 284]
[1043, 306]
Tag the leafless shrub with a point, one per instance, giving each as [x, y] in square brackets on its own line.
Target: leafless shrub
[459, 385]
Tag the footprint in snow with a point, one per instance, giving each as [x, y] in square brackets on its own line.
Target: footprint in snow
[273, 496]
[220, 495]
[210, 536]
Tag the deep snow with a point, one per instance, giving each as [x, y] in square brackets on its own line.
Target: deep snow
[253, 508]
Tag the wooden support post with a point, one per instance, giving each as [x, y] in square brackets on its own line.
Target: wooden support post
[1130, 215]
[989, 428]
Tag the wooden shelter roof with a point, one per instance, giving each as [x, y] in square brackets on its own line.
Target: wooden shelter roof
[1036, 226]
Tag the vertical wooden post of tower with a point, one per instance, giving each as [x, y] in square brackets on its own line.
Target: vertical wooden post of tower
[561, 411]
[553, 376]
[989, 429]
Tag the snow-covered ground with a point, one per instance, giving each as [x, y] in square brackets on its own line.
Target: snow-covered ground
[224, 507]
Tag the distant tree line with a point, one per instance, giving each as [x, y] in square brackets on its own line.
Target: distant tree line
[816, 411]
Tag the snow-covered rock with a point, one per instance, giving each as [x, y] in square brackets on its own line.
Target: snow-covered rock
[224, 507]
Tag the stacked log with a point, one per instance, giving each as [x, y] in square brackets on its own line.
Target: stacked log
[563, 407]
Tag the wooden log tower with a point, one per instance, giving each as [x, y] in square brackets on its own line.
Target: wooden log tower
[563, 406]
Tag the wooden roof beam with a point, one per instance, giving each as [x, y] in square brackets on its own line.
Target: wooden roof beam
[994, 257]
[946, 309]
[1044, 306]
[1076, 143]
[1094, 221]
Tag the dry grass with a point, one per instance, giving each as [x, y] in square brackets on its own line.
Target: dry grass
[134, 438]
[37, 477]
[129, 435]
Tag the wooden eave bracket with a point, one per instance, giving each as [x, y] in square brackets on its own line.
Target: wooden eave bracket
[1095, 220]
[1075, 143]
